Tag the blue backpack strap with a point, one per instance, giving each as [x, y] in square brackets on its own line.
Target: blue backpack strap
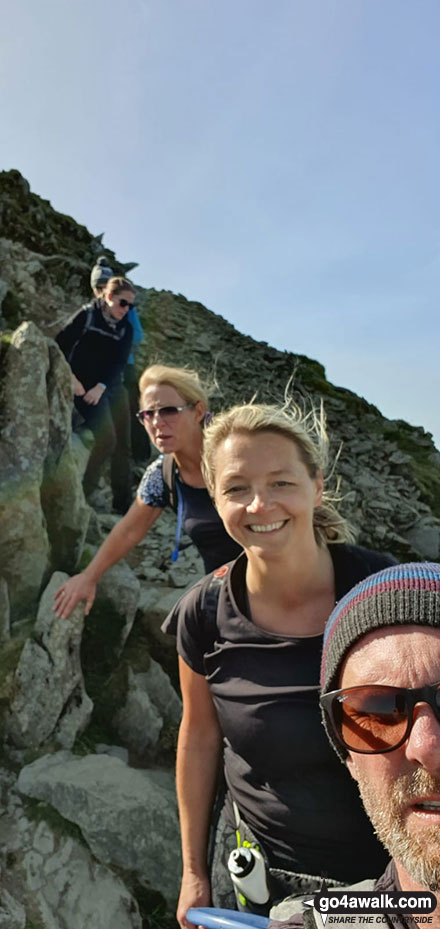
[179, 523]
[169, 479]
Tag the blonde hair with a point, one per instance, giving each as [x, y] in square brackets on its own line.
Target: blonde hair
[116, 285]
[186, 382]
[307, 432]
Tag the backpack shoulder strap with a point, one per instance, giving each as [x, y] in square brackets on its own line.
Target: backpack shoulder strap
[169, 478]
[88, 319]
[87, 324]
[209, 606]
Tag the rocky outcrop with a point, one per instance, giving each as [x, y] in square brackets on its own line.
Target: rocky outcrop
[49, 698]
[51, 879]
[128, 817]
[40, 488]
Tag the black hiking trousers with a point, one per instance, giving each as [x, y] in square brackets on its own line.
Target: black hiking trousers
[109, 421]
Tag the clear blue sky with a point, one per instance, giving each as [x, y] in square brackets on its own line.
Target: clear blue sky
[277, 160]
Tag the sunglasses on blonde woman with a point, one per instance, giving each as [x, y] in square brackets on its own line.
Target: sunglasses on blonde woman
[374, 719]
[164, 412]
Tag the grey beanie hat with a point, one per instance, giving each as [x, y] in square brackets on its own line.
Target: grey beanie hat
[402, 594]
[101, 273]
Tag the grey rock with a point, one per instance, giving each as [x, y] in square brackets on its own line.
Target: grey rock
[366, 481]
[12, 913]
[151, 702]
[65, 509]
[155, 605]
[119, 588]
[75, 716]
[24, 543]
[4, 287]
[425, 539]
[399, 458]
[128, 817]
[80, 453]
[4, 611]
[115, 751]
[58, 883]
[138, 723]
[50, 698]
[161, 692]
[187, 569]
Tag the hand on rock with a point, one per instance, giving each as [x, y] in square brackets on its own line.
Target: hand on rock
[79, 587]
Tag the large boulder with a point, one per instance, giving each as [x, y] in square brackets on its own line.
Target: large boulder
[43, 514]
[24, 543]
[66, 511]
[49, 698]
[49, 877]
[128, 817]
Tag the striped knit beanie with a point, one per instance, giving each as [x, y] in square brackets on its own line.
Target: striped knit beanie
[101, 273]
[402, 594]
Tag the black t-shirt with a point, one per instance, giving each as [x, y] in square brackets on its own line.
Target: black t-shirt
[290, 786]
[201, 521]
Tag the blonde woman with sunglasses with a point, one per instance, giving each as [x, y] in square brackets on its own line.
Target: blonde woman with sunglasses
[173, 410]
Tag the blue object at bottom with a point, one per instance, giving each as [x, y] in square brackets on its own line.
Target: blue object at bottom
[212, 918]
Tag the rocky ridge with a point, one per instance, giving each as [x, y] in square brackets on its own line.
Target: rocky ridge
[88, 713]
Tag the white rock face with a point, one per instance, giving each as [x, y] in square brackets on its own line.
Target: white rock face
[128, 817]
[52, 881]
[49, 695]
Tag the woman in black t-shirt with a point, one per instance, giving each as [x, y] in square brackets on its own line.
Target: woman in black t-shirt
[249, 675]
[174, 404]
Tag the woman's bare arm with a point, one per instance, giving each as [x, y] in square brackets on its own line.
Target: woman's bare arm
[199, 751]
[123, 537]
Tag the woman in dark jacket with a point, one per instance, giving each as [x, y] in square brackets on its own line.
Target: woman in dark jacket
[96, 342]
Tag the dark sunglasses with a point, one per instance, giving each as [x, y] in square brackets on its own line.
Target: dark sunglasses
[165, 412]
[125, 303]
[374, 719]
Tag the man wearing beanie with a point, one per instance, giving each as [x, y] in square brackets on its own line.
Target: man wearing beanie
[380, 682]
[100, 276]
